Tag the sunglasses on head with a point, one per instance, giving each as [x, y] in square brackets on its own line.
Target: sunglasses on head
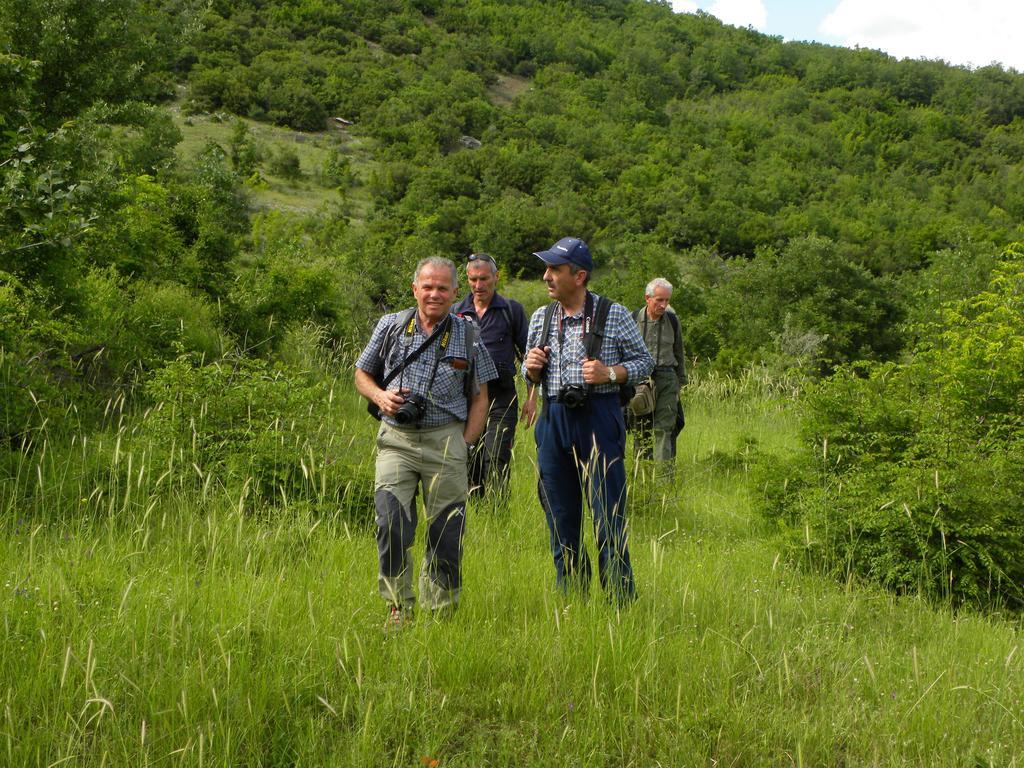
[481, 257]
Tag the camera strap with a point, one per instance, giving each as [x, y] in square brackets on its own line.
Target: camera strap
[443, 330]
[410, 328]
[594, 320]
[441, 347]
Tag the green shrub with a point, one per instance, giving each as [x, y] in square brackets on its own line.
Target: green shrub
[285, 163]
[273, 428]
[143, 325]
[245, 153]
[170, 317]
[806, 303]
[289, 280]
[336, 170]
[910, 475]
[138, 236]
[36, 379]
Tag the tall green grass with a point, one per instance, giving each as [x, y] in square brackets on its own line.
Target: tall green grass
[155, 615]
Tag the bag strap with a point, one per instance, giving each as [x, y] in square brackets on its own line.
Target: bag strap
[506, 311]
[673, 319]
[409, 317]
[593, 340]
[472, 333]
[549, 312]
[657, 343]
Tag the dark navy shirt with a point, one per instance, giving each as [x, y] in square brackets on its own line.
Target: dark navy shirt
[502, 330]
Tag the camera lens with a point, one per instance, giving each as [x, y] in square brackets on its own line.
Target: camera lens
[572, 396]
[411, 411]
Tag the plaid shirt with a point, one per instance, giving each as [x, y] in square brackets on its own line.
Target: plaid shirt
[621, 345]
[446, 398]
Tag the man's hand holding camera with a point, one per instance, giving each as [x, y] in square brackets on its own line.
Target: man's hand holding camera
[390, 401]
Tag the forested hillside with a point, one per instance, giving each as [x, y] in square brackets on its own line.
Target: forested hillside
[206, 204]
[816, 206]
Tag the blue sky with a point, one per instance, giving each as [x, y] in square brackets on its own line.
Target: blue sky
[797, 19]
[967, 32]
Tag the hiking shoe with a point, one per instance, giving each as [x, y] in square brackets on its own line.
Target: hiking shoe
[398, 617]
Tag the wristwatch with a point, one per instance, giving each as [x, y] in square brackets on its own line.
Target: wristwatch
[611, 374]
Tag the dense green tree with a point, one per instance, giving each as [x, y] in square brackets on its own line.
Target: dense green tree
[805, 197]
[806, 291]
[910, 473]
[87, 51]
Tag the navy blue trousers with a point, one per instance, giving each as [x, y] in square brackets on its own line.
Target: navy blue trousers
[581, 457]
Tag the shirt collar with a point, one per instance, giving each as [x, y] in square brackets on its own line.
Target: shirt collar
[466, 305]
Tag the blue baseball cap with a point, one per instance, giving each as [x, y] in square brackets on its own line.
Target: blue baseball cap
[566, 250]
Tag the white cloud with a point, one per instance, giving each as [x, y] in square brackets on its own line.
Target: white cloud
[739, 13]
[684, 6]
[973, 32]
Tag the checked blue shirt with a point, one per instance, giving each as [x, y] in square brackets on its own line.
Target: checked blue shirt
[621, 345]
[446, 399]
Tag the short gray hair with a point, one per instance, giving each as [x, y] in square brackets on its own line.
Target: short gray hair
[658, 282]
[489, 262]
[438, 262]
[574, 268]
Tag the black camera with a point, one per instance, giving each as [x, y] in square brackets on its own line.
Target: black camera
[572, 396]
[411, 411]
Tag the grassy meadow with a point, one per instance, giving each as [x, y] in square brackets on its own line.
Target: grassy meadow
[159, 615]
[306, 194]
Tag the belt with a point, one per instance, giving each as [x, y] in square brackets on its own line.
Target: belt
[420, 428]
[598, 396]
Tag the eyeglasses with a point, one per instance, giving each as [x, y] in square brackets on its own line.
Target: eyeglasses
[481, 257]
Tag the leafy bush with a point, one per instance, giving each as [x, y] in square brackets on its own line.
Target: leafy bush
[290, 280]
[246, 154]
[278, 430]
[911, 472]
[806, 301]
[137, 235]
[285, 163]
[142, 325]
[336, 170]
[36, 382]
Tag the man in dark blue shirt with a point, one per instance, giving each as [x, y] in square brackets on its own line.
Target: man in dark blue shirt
[502, 324]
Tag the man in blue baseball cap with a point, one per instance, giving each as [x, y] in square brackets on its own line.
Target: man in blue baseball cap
[581, 349]
[568, 250]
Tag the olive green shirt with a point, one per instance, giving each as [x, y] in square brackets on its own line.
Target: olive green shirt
[664, 343]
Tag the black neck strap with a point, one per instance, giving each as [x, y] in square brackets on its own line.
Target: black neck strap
[443, 327]
[657, 351]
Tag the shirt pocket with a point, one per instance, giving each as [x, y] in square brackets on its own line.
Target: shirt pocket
[451, 373]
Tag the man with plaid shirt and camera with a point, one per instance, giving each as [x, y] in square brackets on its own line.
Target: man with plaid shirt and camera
[428, 381]
[581, 434]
